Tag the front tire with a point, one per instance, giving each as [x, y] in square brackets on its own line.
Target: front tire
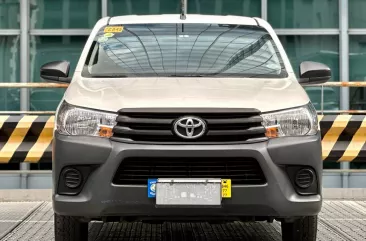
[303, 229]
[70, 229]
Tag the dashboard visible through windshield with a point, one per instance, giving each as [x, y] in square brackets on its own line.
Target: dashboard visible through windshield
[183, 50]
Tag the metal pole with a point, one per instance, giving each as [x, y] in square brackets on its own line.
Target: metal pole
[338, 112]
[24, 72]
[264, 9]
[154, 6]
[322, 100]
[183, 9]
[65, 14]
[344, 74]
[33, 85]
[218, 7]
[104, 8]
[344, 52]
[24, 53]
[65, 20]
[65, 85]
[355, 84]
[27, 112]
[129, 7]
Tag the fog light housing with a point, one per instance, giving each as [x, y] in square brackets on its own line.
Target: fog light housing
[304, 178]
[72, 178]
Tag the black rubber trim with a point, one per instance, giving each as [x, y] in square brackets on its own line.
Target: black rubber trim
[250, 141]
[129, 131]
[187, 111]
[257, 22]
[168, 121]
[249, 131]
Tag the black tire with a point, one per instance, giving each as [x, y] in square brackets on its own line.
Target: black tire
[303, 229]
[70, 229]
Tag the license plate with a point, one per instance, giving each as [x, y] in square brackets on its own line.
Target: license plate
[188, 192]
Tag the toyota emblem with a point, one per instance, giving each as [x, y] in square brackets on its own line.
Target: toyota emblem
[190, 127]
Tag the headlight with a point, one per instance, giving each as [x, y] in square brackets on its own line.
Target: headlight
[77, 121]
[299, 121]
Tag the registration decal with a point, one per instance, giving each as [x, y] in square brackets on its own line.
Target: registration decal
[151, 188]
[226, 188]
[113, 29]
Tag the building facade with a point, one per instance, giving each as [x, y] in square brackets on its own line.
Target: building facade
[34, 32]
[318, 30]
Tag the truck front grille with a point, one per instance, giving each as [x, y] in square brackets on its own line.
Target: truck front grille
[156, 126]
[241, 170]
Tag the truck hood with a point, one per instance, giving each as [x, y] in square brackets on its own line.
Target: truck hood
[112, 94]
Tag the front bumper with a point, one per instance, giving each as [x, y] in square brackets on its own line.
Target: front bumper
[100, 198]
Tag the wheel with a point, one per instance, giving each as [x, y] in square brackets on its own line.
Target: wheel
[303, 229]
[70, 229]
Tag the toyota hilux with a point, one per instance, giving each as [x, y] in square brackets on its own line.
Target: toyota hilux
[200, 118]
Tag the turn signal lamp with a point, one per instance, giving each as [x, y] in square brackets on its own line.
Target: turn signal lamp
[272, 131]
[105, 131]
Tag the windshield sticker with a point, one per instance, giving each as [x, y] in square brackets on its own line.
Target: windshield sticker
[102, 39]
[108, 35]
[115, 29]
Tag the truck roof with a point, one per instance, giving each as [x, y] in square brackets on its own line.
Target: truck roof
[175, 18]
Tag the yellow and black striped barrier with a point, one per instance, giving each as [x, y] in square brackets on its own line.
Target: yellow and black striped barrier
[343, 138]
[28, 138]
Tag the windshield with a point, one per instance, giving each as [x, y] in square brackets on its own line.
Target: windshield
[184, 50]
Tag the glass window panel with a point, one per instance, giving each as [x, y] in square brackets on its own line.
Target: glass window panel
[41, 166]
[201, 49]
[357, 165]
[9, 73]
[323, 49]
[9, 14]
[64, 14]
[9, 166]
[357, 71]
[331, 165]
[357, 16]
[127, 7]
[303, 13]
[250, 8]
[219, 7]
[45, 49]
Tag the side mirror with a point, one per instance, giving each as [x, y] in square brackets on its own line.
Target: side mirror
[314, 73]
[56, 71]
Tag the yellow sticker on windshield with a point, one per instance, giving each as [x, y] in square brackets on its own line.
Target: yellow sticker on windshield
[226, 188]
[114, 29]
[108, 35]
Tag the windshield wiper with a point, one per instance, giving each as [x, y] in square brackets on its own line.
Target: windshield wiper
[108, 76]
[187, 76]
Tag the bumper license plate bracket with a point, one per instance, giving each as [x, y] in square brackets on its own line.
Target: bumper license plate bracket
[180, 192]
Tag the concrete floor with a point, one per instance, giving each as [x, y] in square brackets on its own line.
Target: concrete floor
[33, 221]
